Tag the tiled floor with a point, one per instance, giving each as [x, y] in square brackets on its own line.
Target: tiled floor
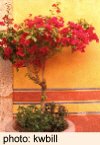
[86, 123]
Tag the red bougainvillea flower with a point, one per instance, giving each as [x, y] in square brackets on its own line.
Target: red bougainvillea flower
[92, 35]
[20, 52]
[39, 21]
[44, 50]
[78, 35]
[23, 39]
[56, 22]
[54, 5]
[7, 20]
[2, 23]
[16, 26]
[32, 49]
[29, 23]
[37, 62]
[58, 11]
[19, 63]
[7, 52]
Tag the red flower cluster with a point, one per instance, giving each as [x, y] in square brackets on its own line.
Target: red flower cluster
[40, 37]
[38, 40]
[44, 22]
[78, 36]
[19, 63]
[20, 52]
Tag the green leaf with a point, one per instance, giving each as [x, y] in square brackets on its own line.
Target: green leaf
[1, 34]
[41, 29]
[34, 38]
[28, 37]
[43, 98]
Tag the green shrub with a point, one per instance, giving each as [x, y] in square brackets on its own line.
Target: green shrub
[32, 119]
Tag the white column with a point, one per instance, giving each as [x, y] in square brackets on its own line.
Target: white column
[6, 77]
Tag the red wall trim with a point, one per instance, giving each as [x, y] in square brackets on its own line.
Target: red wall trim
[25, 96]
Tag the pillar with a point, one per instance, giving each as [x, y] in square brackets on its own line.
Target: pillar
[6, 76]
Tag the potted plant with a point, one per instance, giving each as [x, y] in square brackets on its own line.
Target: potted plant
[31, 44]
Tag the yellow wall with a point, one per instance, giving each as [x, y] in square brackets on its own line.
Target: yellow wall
[71, 107]
[66, 70]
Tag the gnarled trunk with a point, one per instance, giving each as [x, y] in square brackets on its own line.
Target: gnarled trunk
[43, 94]
[33, 74]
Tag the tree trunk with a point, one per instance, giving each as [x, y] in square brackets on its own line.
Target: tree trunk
[43, 88]
[43, 94]
[33, 74]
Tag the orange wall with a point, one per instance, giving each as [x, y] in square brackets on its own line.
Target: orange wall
[66, 70]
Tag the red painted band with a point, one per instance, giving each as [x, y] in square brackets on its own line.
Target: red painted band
[57, 96]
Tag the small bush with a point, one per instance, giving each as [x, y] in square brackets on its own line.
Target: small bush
[32, 119]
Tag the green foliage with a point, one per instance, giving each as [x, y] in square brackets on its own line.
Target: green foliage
[32, 119]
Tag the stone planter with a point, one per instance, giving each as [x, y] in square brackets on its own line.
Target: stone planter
[71, 126]
[10, 126]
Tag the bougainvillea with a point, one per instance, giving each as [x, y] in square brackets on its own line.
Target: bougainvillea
[78, 35]
[38, 38]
